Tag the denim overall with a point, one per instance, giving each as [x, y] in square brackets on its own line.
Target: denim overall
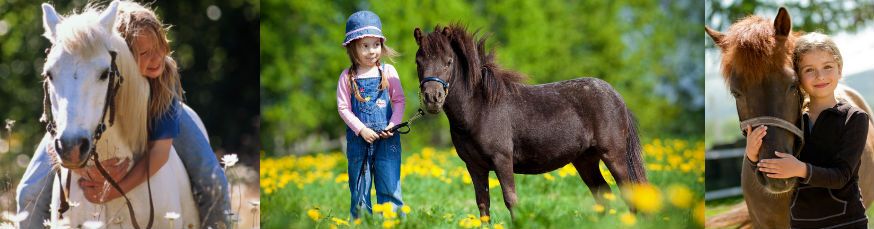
[384, 155]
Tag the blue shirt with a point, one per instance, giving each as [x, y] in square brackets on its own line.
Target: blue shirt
[166, 126]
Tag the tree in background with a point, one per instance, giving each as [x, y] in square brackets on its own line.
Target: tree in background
[649, 51]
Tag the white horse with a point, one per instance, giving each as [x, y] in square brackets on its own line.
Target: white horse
[77, 75]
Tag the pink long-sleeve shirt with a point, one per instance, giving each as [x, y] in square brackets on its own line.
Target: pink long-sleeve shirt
[344, 98]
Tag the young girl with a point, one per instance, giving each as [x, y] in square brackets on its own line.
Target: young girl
[835, 132]
[169, 125]
[370, 99]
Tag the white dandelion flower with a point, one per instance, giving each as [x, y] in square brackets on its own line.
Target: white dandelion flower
[92, 224]
[230, 159]
[171, 215]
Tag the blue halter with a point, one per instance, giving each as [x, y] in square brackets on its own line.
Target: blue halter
[435, 79]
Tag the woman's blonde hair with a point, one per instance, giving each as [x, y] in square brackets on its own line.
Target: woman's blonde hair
[812, 42]
[386, 52]
[135, 20]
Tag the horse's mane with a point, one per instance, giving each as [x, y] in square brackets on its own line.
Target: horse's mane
[751, 49]
[82, 35]
[478, 67]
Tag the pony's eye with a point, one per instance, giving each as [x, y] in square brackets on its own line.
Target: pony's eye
[735, 93]
[104, 75]
[47, 75]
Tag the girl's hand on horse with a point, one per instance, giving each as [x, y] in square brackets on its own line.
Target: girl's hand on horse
[115, 169]
[754, 141]
[93, 191]
[385, 133]
[368, 135]
[785, 166]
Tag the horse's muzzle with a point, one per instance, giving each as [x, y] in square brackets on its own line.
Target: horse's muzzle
[73, 151]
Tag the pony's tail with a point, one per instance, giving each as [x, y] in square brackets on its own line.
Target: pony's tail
[737, 217]
[634, 158]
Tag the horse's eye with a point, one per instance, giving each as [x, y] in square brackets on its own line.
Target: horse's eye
[104, 75]
[735, 93]
[47, 75]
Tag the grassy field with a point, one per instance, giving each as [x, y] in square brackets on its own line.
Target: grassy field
[312, 192]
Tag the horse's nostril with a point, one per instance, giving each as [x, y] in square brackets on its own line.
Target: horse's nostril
[84, 146]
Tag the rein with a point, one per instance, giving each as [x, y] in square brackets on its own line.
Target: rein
[115, 80]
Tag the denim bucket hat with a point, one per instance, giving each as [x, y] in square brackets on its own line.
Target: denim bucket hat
[363, 24]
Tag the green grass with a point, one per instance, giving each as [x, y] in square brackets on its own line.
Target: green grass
[563, 202]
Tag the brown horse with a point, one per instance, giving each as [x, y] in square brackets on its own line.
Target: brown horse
[757, 67]
[499, 124]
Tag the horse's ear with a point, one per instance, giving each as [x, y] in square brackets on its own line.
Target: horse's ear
[107, 18]
[417, 33]
[715, 35]
[50, 20]
[447, 32]
[783, 24]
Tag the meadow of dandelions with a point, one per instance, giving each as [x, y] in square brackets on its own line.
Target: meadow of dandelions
[312, 191]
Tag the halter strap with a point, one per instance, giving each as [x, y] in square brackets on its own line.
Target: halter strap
[777, 122]
[435, 79]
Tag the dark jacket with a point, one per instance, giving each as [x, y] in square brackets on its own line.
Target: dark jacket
[830, 197]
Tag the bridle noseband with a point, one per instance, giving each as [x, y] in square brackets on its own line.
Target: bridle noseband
[435, 79]
[115, 79]
[780, 123]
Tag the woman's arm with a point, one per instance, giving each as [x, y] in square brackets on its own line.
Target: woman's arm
[159, 152]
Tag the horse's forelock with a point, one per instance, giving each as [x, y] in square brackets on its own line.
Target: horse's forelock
[753, 51]
[82, 33]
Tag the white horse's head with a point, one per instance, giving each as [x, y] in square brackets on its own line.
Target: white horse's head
[77, 76]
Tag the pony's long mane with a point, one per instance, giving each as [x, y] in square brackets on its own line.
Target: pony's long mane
[752, 50]
[82, 35]
[478, 67]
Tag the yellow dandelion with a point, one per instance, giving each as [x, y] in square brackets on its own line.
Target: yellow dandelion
[493, 183]
[314, 214]
[378, 208]
[612, 211]
[357, 222]
[484, 219]
[341, 178]
[406, 209]
[609, 196]
[548, 176]
[680, 196]
[389, 214]
[644, 197]
[499, 226]
[628, 219]
[598, 208]
[340, 222]
[699, 213]
[388, 224]
[469, 222]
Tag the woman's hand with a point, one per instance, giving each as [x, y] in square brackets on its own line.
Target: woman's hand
[115, 169]
[785, 166]
[754, 141]
[92, 182]
[368, 135]
[385, 133]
